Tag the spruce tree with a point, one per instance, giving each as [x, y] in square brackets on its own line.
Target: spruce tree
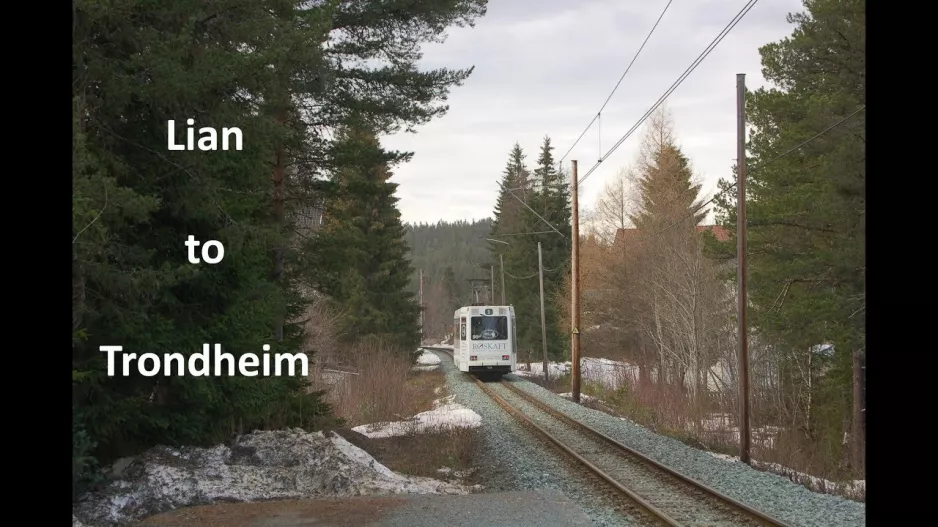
[366, 268]
[509, 217]
[515, 179]
[668, 193]
[554, 194]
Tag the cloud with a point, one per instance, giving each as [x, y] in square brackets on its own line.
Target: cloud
[546, 67]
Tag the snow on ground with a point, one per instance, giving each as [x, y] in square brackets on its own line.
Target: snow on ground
[720, 426]
[458, 473]
[284, 464]
[554, 369]
[427, 358]
[854, 489]
[445, 414]
[583, 397]
[611, 374]
[427, 362]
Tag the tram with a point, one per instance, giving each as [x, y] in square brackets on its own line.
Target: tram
[485, 342]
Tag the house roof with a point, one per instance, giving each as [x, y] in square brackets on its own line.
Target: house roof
[721, 233]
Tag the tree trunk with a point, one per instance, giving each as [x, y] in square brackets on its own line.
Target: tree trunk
[662, 374]
[278, 207]
[858, 449]
[807, 417]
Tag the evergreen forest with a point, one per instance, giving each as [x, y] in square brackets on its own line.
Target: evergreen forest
[314, 240]
[306, 210]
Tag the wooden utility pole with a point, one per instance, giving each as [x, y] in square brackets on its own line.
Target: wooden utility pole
[744, 440]
[575, 293]
[501, 263]
[540, 274]
[421, 306]
[492, 288]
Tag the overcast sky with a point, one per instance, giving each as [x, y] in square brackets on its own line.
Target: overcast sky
[545, 67]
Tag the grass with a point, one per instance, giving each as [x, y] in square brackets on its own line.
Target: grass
[424, 454]
[382, 387]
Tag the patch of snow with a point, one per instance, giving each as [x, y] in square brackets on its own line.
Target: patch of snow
[456, 473]
[427, 358]
[823, 349]
[445, 414]
[426, 367]
[554, 369]
[583, 396]
[611, 374]
[265, 465]
[719, 426]
[854, 489]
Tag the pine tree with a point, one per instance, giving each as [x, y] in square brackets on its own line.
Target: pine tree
[132, 208]
[806, 215]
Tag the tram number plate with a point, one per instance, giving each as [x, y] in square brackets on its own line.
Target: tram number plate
[489, 367]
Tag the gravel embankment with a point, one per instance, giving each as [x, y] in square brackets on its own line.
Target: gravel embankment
[513, 458]
[773, 494]
[682, 502]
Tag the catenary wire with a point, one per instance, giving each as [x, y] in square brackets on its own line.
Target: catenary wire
[597, 116]
[713, 44]
[763, 165]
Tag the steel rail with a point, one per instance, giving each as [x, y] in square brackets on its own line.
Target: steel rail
[654, 511]
[761, 516]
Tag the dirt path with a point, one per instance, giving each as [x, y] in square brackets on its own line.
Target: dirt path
[515, 509]
[352, 512]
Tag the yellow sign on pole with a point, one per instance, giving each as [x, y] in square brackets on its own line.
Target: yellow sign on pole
[576, 331]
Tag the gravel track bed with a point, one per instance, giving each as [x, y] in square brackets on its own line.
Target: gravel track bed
[515, 458]
[770, 493]
[679, 500]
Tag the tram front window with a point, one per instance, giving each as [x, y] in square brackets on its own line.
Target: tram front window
[489, 328]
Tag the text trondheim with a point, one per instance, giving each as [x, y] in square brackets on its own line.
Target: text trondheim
[200, 364]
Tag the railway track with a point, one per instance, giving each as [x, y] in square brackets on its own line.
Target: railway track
[663, 493]
[435, 348]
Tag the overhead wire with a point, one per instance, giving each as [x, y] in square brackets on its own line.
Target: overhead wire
[712, 199]
[549, 224]
[762, 166]
[629, 67]
[546, 270]
[700, 58]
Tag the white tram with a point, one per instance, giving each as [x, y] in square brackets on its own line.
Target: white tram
[485, 341]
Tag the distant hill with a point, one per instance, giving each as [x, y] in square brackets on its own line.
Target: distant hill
[458, 245]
